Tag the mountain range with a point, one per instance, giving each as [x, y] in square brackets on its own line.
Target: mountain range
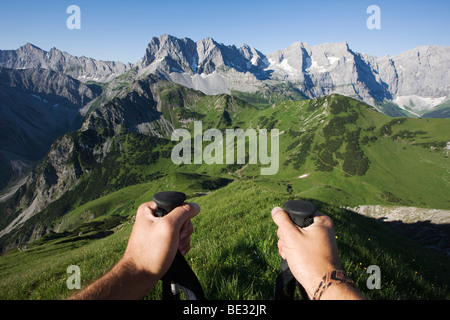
[47, 96]
[415, 81]
[31, 57]
[412, 83]
[84, 142]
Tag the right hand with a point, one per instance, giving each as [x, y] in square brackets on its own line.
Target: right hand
[310, 252]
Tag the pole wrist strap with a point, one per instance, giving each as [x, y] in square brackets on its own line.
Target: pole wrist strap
[333, 277]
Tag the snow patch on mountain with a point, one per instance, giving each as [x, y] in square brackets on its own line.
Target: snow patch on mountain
[283, 67]
[313, 66]
[418, 103]
[333, 60]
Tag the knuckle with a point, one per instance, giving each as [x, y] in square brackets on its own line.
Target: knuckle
[327, 222]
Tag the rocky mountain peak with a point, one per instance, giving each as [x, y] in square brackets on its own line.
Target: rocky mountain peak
[84, 69]
[168, 55]
[31, 47]
[415, 80]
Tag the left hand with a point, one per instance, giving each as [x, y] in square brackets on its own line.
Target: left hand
[154, 241]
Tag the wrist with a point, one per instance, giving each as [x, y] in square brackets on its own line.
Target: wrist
[314, 279]
[336, 285]
[124, 281]
[342, 291]
[140, 279]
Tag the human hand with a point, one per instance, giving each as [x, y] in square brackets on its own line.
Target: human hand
[310, 252]
[154, 241]
[151, 249]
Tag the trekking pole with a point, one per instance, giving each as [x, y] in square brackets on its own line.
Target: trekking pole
[180, 273]
[301, 213]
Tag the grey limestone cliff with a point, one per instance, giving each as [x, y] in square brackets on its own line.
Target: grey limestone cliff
[81, 68]
[416, 80]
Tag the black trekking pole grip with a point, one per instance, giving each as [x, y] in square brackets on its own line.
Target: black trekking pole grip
[301, 213]
[180, 273]
[167, 201]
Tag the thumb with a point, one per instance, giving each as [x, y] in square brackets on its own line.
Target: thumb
[181, 214]
[282, 219]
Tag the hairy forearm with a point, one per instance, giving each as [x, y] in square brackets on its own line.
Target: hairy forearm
[123, 282]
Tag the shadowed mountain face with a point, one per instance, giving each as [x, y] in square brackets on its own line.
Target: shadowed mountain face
[36, 107]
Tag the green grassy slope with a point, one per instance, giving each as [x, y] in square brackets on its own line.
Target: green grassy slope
[233, 251]
[354, 155]
[440, 111]
[351, 153]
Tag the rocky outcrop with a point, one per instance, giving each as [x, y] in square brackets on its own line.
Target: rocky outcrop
[405, 214]
[134, 110]
[429, 227]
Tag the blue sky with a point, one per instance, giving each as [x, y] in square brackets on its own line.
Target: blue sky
[121, 30]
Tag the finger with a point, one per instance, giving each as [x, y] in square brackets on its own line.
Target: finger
[281, 249]
[282, 219]
[147, 210]
[184, 248]
[184, 245]
[280, 244]
[181, 214]
[321, 219]
[279, 233]
[186, 230]
[282, 254]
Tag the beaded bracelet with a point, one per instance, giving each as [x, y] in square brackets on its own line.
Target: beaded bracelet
[333, 277]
